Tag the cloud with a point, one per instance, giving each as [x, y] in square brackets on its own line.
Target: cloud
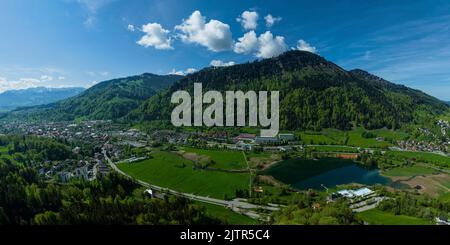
[265, 46]
[270, 46]
[22, 83]
[92, 7]
[61, 78]
[97, 74]
[304, 46]
[247, 43]
[214, 35]
[182, 73]
[217, 63]
[270, 20]
[131, 28]
[155, 36]
[89, 21]
[248, 20]
[46, 78]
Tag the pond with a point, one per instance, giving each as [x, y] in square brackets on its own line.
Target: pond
[330, 172]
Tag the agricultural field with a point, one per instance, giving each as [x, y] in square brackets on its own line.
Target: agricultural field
[355, 138]
[378, 217]
[169, 170]
[324, 137]
[352, 138]
[409, 171]
[424, 157]
[222, 159]
[261, 160]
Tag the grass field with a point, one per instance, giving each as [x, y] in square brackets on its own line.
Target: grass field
[409, 171]
[324, 137]
[165, 169]
[425, 157]
[351, 138]
[378, 217]
[445, 197]
[356, 139]
[229, 216]
[222, 158]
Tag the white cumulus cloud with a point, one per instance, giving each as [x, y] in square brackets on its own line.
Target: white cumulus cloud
[247, 43]
[270, 46]
[248, 20]
[155, 36]
[304, 46]
[181, 72]
[270, 20]
[217, 63]
[214, 35]
[265, 46]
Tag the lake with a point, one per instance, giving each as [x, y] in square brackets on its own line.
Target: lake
[309, 173]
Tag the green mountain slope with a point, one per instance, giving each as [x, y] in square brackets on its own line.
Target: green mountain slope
[314, 93]
[107, 100]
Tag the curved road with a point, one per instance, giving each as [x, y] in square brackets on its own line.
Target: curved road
[235, 204]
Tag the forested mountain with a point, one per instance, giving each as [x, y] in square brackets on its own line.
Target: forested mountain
[12, 99]
[107, 100]
[314, 93]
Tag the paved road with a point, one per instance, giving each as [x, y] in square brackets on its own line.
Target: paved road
[235, 204]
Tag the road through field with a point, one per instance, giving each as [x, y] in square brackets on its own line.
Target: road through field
[236, 204]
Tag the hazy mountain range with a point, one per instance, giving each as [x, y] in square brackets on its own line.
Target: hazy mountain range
[12, 99]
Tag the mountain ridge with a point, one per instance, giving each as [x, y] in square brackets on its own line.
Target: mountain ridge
[106, 100]
[15, 98]
[314, 93]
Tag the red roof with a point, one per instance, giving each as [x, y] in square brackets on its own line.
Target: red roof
[246, 136]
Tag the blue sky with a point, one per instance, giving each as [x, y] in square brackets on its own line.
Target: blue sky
[80, 42]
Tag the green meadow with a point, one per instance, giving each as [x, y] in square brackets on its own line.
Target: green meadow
[223, 159]
[425, 157]
[352, 137]
[378, 217]
[409, 171]
[166, 169]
